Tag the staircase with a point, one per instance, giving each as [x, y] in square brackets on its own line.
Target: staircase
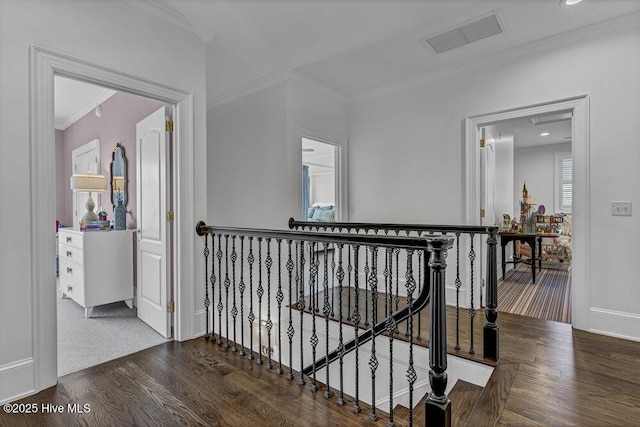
[272, 295]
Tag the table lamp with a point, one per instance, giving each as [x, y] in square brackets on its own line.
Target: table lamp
[88, 183]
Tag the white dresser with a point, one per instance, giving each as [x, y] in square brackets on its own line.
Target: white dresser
[96, 267]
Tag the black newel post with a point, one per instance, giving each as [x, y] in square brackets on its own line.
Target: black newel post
[438, 405]
[491, 339]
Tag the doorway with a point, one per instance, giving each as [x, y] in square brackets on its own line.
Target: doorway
[45, 63]
[529, 163]
[104, 278]
[579, 109]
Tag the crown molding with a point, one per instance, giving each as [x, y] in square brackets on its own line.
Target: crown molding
[162, 12]
[516, 53]
[64, 123]
[253, 86]
[305, 80]
[278, 76]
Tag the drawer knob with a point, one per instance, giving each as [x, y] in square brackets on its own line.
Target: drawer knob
[68, 239]
[69, 288]
[69, 254]
[69, 270]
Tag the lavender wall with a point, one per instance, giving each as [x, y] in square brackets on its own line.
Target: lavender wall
[60, 177]
[120, 113]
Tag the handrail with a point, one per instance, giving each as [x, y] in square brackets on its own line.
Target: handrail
[415, 243]
[366, 226]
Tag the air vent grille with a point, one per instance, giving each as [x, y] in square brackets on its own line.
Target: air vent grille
[478, 29]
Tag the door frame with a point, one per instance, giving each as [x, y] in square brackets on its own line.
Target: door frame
[579, 106]
[44, 64]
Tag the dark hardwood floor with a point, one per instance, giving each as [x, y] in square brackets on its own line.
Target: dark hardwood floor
[548, 375]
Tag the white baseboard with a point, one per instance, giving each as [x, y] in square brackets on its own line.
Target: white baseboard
[200, 325]
[615, 323]
[17, 380]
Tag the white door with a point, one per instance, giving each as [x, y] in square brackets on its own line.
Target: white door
[487, 197]
[85, 159]
[153, 278]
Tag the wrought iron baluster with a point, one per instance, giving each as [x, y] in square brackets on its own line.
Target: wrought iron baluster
[234, 309]
[301, 306]
[220, 305]
[420, 285]
[349, 271]
[290, 330]
[242, 288]
[227, 283]
[387, 312]
[313, 273]
[366, 286]
[458, 285]
[390, 326]
[411, 372]
[206, 285]
[397, 296]
[279, 299]
[213, 290]
[251, 259]
[340, 275]
[269, 262]
[355, 316]
[472, 311]
[326, 309]
[373, 360]
[260, 293]
[333, 280]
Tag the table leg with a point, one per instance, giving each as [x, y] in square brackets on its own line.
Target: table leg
[533, 260]
[540, 253]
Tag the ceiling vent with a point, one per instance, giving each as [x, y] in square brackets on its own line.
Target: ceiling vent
[477, 29]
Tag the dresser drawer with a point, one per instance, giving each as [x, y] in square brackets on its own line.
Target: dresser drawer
[72, 289]
[70, 253]
[71, 270]
[71, 239]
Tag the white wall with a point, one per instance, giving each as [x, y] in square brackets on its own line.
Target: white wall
[323, 188]
[535, 166]
[407, 155]
[101, 32]
[255, 155]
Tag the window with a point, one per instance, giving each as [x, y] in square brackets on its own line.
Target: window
[563, 182]
[319, 181]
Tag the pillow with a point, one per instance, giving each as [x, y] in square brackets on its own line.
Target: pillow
[310, 212]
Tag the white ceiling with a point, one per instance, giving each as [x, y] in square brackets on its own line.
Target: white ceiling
[73, 99]
[527, 134]
[359, 47]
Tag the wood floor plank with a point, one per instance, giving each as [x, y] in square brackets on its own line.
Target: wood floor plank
[494, 396]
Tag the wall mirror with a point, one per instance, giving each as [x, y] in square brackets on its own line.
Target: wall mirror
[119, 179]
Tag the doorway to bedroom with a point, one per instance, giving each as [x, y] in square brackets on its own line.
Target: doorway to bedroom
[320, 181]
[97, 316]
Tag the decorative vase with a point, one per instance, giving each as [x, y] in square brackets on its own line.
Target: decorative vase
[120, 214]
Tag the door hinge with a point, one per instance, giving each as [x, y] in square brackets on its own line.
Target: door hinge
[482, 143]
[171, 307]
[170, 216]
[481, 213]
[169, 125]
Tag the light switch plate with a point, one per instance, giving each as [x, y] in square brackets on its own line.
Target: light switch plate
[621, 208]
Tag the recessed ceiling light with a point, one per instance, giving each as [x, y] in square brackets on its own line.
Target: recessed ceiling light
[544, 134]
[569, 2]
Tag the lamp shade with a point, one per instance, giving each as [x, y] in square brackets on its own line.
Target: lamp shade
[89, 183]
